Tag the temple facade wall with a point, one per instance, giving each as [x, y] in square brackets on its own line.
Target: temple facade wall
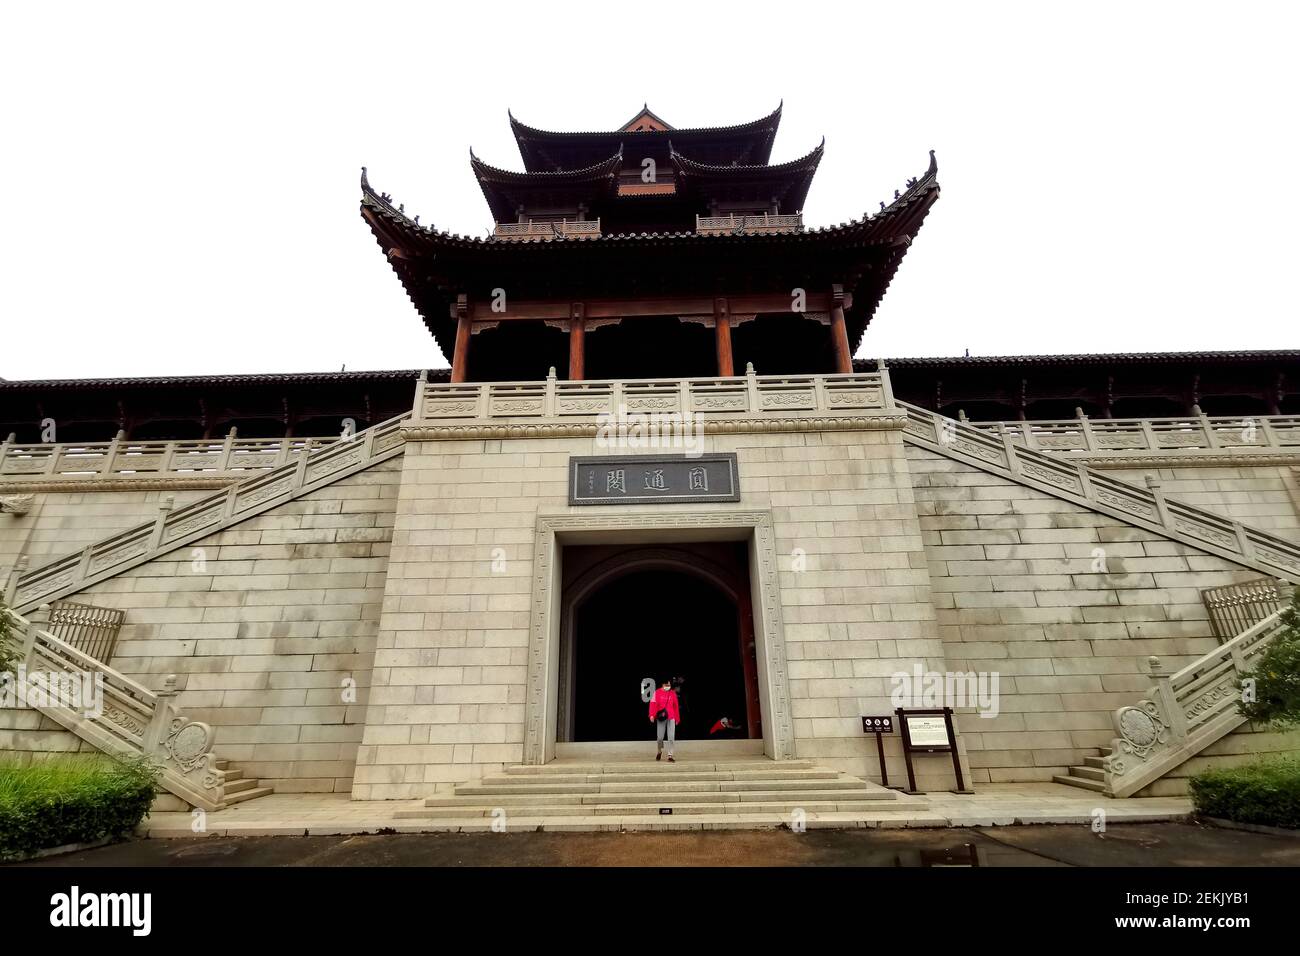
[451, 669]
[268, 625]
[1259, 495]
[1065, 604]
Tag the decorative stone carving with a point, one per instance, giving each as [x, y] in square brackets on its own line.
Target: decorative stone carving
[16, 504]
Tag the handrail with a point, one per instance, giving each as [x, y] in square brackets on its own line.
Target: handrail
[1201, 434]
[175, 527]
[130, 720]
[1004, 450]
[765, 222]
[1184, 712]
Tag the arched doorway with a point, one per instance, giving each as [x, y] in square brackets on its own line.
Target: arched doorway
[632, 612]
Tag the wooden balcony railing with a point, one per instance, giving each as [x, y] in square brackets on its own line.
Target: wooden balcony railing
[719, 225]
[566, 229]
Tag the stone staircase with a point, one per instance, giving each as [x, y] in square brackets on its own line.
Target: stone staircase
[755, 791]
[131, 721]
[1006, 453]
[1090, 776]
[235, 787]
[1180, 716]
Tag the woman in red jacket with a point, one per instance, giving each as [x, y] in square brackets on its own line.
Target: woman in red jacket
[665, 715]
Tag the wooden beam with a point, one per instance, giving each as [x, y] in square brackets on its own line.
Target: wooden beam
[840, 332]
[460, 357]
[577, 342]
[722, 337]
[534, 309]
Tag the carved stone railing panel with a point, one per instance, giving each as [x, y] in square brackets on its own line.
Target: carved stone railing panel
[128, 720]
[144, 459]
[1200, 435]
[314, 465]
[1184, 713]
[711, 401]
[1005, 449]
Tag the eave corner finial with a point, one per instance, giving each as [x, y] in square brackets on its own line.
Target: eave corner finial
[934, 164]
[365, 183]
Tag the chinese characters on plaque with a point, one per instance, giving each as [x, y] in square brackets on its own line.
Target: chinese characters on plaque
[638, 479]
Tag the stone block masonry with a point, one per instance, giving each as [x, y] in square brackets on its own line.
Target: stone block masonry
[451, 666]
[270, 627]
[1065, 603]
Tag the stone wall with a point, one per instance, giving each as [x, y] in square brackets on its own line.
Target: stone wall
[263, 623]
[450, 676]
[65, 521]
[1265, 497]
[28, 736]
[1064, 603]
[1248, 744]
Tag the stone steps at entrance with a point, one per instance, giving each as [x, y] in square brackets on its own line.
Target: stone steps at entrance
[1090, 776]
[740, 790]
[641, 809]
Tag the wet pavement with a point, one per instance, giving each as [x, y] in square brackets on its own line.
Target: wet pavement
[1138, 845]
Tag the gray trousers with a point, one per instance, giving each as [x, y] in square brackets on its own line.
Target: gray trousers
[669, 727]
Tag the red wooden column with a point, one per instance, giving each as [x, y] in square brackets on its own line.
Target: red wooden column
[722, 337]
[577, 342]
[460, 357]
[840, 333]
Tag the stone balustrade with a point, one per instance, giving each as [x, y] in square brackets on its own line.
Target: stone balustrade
[1004, 450]
[1119, 438]
[176, 527]
[127, 720]
[120, 458]
[554, 407]
[1184, 712]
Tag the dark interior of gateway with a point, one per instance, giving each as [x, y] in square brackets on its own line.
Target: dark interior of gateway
[655, 618]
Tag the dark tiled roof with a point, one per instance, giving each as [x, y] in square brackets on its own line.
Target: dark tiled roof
[1087, 358]
[259, 378]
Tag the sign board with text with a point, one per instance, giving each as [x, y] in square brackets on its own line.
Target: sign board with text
[645, 479]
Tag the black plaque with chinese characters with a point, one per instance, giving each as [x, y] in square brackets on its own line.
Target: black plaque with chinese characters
[643, 479]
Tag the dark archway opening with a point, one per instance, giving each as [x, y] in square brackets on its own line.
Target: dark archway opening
[657, 623]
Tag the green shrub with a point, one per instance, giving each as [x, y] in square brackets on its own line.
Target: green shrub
[8, 653]
[1266, 793]
[1274, 691]
[75, 799]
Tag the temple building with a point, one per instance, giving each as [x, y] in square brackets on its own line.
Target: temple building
[653, 455]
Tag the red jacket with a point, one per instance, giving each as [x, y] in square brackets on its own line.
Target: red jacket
[665, 700]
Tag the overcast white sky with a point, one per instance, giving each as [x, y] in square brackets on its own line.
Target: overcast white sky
[182, 180]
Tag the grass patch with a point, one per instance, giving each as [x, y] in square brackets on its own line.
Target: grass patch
[1266, 793]
[74, 799]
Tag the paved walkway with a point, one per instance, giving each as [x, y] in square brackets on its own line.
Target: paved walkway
[994, 805]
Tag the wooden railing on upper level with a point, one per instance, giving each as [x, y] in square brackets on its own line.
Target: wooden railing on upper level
[121, 458]
[566, 228]
[713, 225]
[1136, 437]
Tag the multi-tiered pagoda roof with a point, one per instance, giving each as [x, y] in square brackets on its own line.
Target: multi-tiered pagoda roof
[668, 218]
